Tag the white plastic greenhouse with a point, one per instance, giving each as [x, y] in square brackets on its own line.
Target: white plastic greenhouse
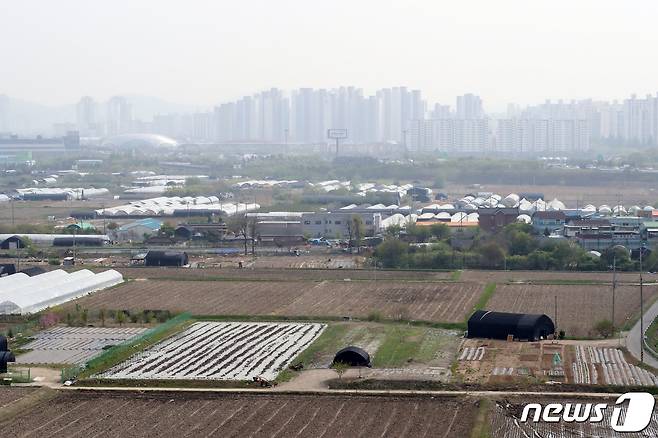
[21, 295]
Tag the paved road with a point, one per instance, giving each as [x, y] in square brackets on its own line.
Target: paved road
[634, 336]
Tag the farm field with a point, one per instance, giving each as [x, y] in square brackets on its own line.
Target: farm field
[73, 345]
[494, 361]
[439, 302]
[10, 395]
[203, 414]
[551, 276]
[580, 307]
[505, 422]
[220, 351]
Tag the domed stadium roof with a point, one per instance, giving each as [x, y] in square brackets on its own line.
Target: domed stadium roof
[140, 140]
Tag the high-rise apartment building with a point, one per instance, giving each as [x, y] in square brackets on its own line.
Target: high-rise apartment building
[87, 117]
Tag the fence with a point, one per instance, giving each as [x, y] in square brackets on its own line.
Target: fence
[644, 340]
[118, 353]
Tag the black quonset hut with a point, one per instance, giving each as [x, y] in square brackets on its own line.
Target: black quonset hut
[353, 356]
[166, 258]
[499, 325]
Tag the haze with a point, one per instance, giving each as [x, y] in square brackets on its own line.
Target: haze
[205, 52]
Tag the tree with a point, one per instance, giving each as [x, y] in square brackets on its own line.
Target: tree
[253, 225]
[167, 230]
[539, 260]
[439, 230]
[604, 328]
[491, 255]
[239, 225]
[419, 233]
[392, 253]
[355, 231]
[340, 368]
[120, 317]
[393, 231]
[520, 243]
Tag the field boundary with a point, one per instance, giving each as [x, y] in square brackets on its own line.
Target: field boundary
[486, 295]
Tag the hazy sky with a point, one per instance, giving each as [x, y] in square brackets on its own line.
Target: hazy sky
[208, 51]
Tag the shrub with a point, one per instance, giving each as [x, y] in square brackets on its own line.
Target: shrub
[375, 316]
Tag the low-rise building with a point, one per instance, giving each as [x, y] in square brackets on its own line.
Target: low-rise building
[138, 230]
[338, 224]
[548, 220]
[493, 219]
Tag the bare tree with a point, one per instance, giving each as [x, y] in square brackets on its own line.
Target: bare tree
[357, 231]
[239, 225]
[252, 224]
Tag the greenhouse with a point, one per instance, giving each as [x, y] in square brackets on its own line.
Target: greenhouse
[21, 294]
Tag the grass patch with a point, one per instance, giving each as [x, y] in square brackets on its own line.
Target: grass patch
[482, 426]
[488, 292]
[401, 345]
[456, 275]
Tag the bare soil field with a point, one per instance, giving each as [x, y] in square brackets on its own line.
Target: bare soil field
[579, 307]
[280, 274]
[37, 212]
[551, 276]
[9, 395]
[203, 414]
[438, 302]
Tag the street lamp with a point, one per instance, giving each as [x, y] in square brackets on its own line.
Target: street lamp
[641, 309]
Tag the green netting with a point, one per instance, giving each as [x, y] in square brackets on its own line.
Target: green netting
[121, 352]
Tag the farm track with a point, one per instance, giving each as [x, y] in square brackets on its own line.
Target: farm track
[281, 274]
[548, 276]
[580, 307]
[438, 302]
[100, 414]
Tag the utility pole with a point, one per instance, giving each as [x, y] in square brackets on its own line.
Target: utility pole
[614, 285]
[12, 212]
[103, 208]
[556, 325]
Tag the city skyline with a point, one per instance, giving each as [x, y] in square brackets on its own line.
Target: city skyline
[398, 115]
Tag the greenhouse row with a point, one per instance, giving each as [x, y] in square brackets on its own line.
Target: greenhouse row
[21, 294]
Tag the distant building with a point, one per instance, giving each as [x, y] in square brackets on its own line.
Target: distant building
[137, 230]
[548, 220]
[336, 225]
[493, 219]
